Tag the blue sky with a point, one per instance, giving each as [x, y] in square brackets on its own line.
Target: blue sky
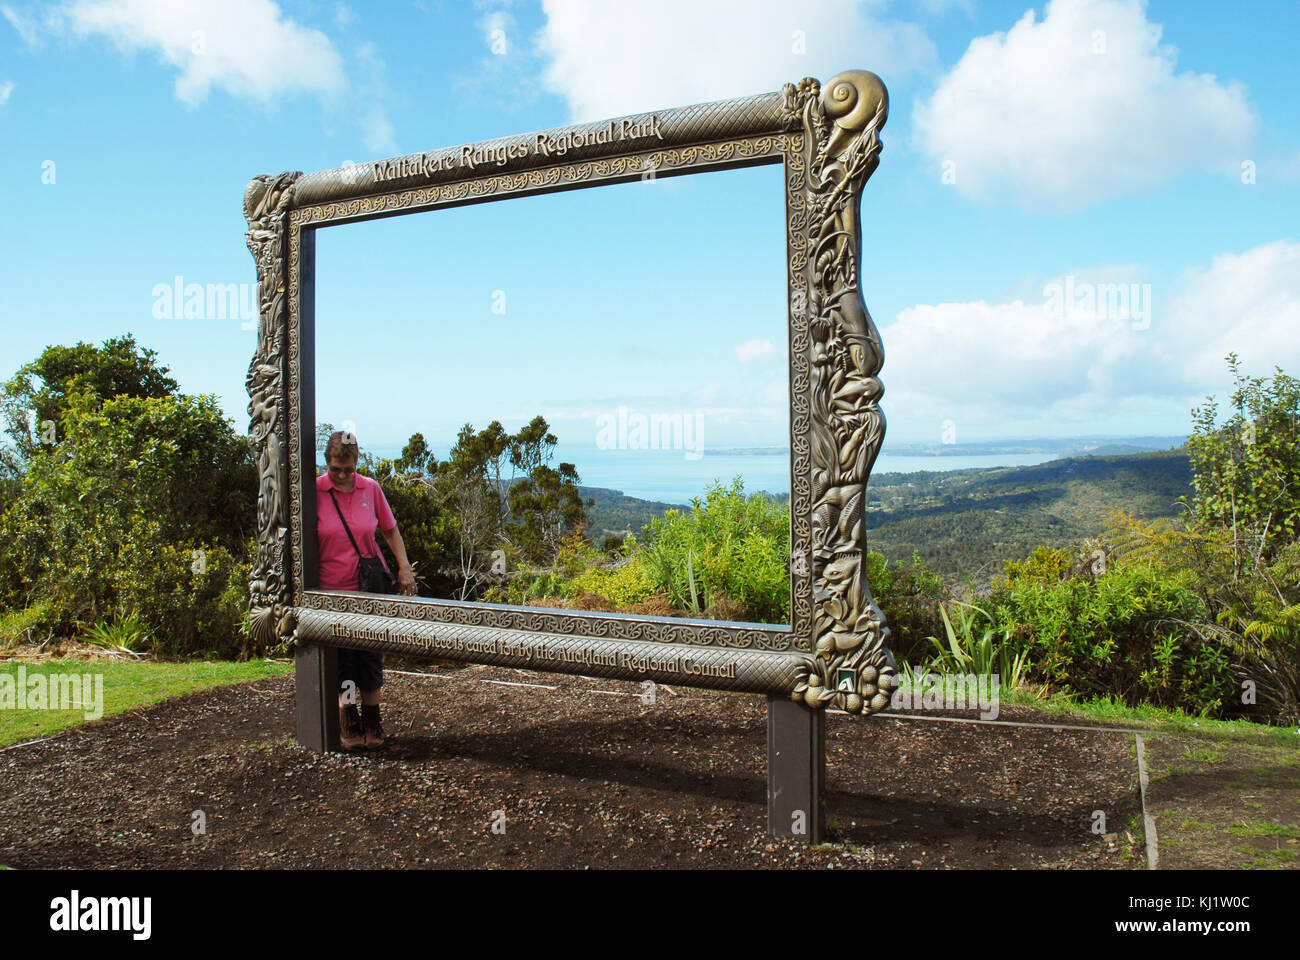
[1082, 147]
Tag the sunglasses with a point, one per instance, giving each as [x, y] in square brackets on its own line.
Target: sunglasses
[342, 471]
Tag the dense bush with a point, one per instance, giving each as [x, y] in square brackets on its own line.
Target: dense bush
[729, 557]
[192, 599]
[1122, 632]
[142, 506]
[1249, 605]
[1247, 470]
[909, 597]
[27, 625]
[629, 583]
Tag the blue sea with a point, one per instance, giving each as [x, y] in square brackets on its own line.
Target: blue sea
[670, 476]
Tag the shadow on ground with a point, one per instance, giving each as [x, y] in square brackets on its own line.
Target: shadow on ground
[481, 774]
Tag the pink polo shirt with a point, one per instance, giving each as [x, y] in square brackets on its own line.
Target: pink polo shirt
[366, 510]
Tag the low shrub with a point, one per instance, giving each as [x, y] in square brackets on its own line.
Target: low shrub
[728, 546]
[30, 624]
[909, 596]
[1122, 632]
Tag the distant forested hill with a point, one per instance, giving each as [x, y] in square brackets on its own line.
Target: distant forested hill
[615, 514]
[968, 522]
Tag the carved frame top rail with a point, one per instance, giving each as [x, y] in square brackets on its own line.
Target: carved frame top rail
[675, 127]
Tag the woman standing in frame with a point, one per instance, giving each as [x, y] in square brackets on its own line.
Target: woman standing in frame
[349, 503]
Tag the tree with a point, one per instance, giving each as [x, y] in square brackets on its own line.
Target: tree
[416, 456]
[1239, 551]
[472, 506]
[466, 493]
[144, 506]
[129, 499]
[11, 474]
[547, 507]
[1247, 471]
[496, 517]
[532, 446]
[493, 448]
[323, 433]
[37, 396]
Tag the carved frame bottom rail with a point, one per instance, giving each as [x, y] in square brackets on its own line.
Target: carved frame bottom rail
[719, 668]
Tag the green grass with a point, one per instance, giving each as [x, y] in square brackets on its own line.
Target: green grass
[1268, 859]
[127, 686]
[1135, 828]
[1155, 719]
[1248, 828]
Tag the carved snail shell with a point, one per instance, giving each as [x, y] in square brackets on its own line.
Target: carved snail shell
[851, 99]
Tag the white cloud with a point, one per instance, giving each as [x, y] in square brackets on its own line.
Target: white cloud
[505, 78]
[1082, 105]
[1248, 304]
[25, 25]
[494, 26]
[6, 89]
[376, 127]
[1012, 359]
[246, 47]
[752, 350]
[1019, 367]
[612, 59]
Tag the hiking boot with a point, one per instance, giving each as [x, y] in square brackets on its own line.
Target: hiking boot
[351, 735]
[370, 722]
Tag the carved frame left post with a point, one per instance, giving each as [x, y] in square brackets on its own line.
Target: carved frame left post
[272, 591]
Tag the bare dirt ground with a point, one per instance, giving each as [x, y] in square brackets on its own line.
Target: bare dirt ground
[571, 778]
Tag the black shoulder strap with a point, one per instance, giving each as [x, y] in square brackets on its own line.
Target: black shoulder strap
[345, 523]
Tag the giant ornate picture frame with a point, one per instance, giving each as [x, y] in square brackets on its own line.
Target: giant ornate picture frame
[835, 652]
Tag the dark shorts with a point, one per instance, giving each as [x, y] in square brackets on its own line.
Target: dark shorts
[362, 667]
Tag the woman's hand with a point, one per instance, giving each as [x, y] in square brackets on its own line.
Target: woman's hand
[405, 580]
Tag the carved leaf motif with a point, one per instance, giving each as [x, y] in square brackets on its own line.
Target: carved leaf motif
[854, 592]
